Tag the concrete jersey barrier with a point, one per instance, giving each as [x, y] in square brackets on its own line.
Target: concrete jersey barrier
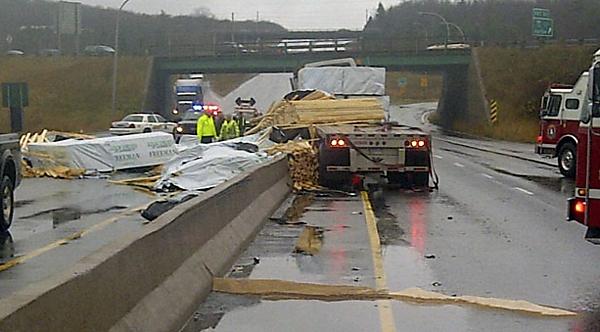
[155, 279]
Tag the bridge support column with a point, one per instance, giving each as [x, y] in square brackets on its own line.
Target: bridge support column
[453, 104]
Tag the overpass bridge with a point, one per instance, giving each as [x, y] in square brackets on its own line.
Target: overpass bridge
[454, 65]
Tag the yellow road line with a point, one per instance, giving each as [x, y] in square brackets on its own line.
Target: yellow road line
[386, 315]
[37, 252]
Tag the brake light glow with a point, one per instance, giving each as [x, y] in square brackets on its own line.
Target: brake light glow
[539, 139]
[338, 143]
[415, 143]
[580, 207]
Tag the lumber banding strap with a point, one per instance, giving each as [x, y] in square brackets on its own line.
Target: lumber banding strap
[289, 290]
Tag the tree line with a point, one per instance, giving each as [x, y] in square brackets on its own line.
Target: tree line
[486, 21]
[30, 25]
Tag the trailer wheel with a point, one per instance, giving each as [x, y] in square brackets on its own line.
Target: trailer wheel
[567, 160]
[7, 199]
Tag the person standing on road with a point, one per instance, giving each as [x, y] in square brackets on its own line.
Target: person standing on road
[205, 129]
[229, 129]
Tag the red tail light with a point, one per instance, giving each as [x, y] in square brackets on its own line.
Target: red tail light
[415, 143]
[580, 207]
[539, 139]
[337, 142]
[576, 210]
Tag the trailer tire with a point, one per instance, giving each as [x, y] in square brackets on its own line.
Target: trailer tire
[7, 200]
[567, 160]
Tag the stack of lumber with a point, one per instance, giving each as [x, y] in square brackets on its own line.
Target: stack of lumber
[307, 112]
[303, 163]
[339, 110]
[57, 172]
[46, 136]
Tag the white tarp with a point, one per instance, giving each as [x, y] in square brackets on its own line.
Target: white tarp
[105, 154]
[343, 80]
[204, 166]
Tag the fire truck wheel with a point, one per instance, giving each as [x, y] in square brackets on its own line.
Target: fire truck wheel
[567, 161]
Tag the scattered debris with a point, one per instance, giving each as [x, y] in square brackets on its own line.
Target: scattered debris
[355, 268]
[356, 279]
[430, 256]
[256, 260]
[450, 217]
[436, 284]
[289, 290]
[310, 241]
[357, 213]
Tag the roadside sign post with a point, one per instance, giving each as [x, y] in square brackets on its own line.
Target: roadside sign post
[542, 23]
[15, 96]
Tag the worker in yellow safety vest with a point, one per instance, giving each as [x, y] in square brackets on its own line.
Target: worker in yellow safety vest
[229, 129]
[205, 129]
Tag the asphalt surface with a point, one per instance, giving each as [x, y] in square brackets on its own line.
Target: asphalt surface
[495, 228]
[58, 222]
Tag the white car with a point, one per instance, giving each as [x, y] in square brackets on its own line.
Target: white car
[142, 123]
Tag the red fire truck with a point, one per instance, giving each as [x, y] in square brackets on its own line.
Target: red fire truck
[585, 206]
[559, 123]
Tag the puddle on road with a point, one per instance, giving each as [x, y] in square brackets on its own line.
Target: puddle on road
[65, 214]
[558, 184]
[23, 202]
[462, 153]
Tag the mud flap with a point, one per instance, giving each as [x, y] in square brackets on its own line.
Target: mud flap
[593, 235]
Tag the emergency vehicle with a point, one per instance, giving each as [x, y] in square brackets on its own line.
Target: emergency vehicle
[585, 206]
[559, 123]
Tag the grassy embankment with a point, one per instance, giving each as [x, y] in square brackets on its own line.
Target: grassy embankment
[74, 94]
[517, 78]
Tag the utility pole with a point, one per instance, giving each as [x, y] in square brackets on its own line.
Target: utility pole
[116, 58]
[233, 27]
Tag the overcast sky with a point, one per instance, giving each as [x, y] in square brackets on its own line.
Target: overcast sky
[294, 14]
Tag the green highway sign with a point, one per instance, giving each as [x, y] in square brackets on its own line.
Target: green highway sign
[541, 13]
[542, 24]
[15, 95]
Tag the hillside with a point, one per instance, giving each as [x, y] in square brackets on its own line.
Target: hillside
[517, 78]
[31, 23]
[74, 94]
[483, 21]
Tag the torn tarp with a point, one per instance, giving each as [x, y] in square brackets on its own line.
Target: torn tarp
[204, 166]
[104, 154]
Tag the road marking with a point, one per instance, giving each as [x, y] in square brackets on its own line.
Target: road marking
[386, 316]
[438, 157]
[459, 165]
[75, 236]
[487, 176]
[524, 191]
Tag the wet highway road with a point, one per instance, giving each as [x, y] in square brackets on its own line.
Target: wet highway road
[58, 222]
[495, 228]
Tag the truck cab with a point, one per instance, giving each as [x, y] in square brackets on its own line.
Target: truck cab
[559, 122]
[585, 206]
